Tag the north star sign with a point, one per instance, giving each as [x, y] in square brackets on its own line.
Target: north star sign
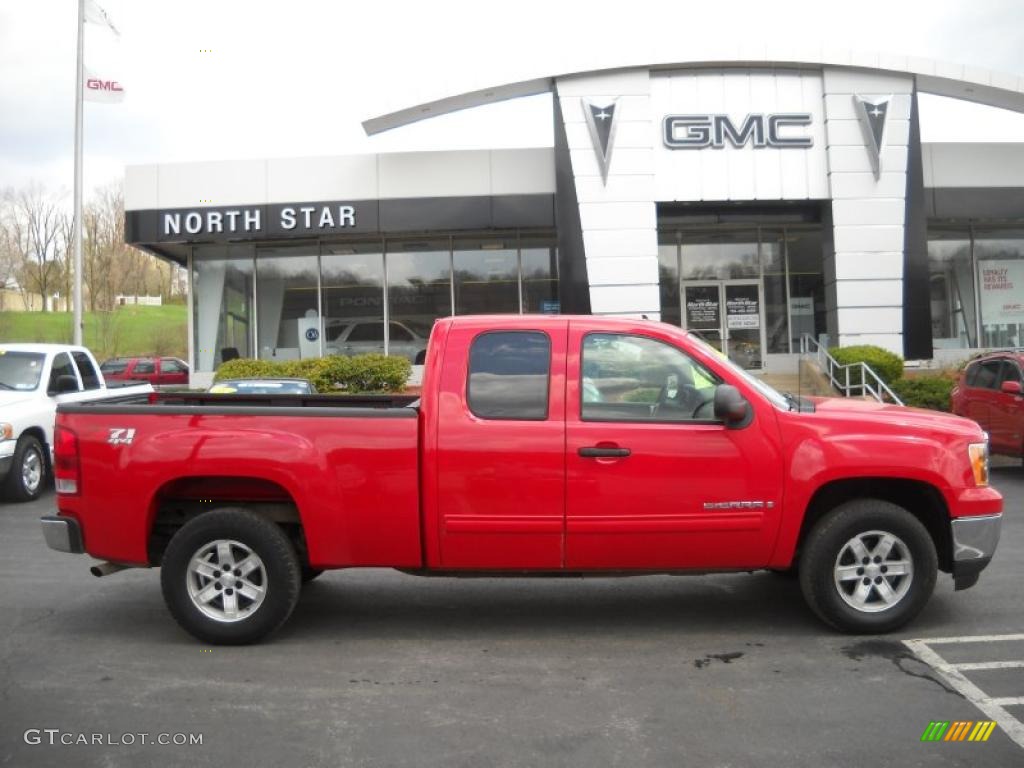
[778, 130]
[286, 219]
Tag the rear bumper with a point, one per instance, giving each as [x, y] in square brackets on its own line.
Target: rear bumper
[62, 534]
[974, 543]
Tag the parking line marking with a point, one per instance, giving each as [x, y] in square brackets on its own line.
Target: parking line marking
[991, 707]
[976, 665]
[969, 639]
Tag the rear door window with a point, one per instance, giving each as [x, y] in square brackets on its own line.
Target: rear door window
[508, 375]
[86, 370]
[367, 332]
[61, 367]
[144, 367]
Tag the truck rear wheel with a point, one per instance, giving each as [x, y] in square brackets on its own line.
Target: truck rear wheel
[868, 566]
[27, 475]
[230, 577]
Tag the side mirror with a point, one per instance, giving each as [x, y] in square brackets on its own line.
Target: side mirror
[731, 407]
[1011, 387]
[64, 384]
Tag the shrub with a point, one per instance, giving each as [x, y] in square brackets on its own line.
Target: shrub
[925, 391]
[888, 365]
[332, 374]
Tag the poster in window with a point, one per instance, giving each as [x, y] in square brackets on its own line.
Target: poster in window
[742, 307]
[703, 308]
[1002, 292]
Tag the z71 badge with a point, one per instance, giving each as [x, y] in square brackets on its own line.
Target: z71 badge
[121, 436]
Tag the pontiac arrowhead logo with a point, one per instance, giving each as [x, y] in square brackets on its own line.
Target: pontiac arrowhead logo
[601, 122]
[872, 112]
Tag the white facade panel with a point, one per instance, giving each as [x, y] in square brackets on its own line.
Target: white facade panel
[624, 161]
[740, 173]
[226, 182]
[869, 293]
[868, 266]
[973, 165]
[141, 187]
[617, 299]
[849, 132]
[620, 188]
[869, 211]
[434, 174]
[618, 270]
[522, 172]
[860, 320]
[620, 242]
[310, 179]
[864, 185]
[857, 159]
[617, 215]
[868, 238]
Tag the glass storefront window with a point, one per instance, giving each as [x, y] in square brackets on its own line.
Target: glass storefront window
[1000, 262]
[288, 306]
[668, 277]
[419, 289]
[486, 276]
[773, 265]
[719, 254]
[804, 258]
[951, 283]
[222, 289]
[539, 259]
[353, 298]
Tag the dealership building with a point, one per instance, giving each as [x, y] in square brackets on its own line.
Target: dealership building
[755, 201]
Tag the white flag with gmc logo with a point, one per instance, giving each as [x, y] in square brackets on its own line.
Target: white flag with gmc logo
[100, 82]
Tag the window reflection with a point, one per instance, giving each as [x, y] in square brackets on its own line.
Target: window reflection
[222, 288]
[1000, 259]
[540, 275]
[288, 308]
[353, 298]
[486, 276]
[951, 285]
[419, 290]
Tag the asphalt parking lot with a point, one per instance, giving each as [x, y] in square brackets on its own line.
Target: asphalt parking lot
[381, 669]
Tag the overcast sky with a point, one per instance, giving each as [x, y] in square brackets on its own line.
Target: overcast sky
[297, 77]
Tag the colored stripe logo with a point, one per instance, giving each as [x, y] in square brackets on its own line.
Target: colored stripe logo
[958, 730]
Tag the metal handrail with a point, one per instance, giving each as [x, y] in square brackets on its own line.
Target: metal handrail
[839, 375]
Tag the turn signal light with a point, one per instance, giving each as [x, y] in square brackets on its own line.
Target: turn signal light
[978, 453]
[65, 461]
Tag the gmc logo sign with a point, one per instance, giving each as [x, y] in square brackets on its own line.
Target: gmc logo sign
[758, 130]
[95, 84]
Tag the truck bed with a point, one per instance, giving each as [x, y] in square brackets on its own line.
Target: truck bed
[380, 406]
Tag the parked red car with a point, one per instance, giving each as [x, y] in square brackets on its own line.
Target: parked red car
[991, 391]
[158, 371]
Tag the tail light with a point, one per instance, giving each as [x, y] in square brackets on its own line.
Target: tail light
[65, 460]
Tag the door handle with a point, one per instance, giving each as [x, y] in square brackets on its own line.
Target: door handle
[595, 452]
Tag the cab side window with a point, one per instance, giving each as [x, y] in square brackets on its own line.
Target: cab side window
[635, 378]
[86, 370]
[508, 375]
[986, 375]
[1011, 372]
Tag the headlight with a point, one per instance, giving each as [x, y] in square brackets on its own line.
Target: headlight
[978, 453]
[6, 431]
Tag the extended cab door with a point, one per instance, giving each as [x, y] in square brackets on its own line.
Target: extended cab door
[1006, 421]
[653, 481]
[500, 455]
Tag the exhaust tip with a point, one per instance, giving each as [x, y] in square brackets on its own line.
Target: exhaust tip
[105, 569]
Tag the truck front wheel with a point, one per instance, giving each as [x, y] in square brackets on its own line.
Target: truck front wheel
[868, 566]
[27, 475]
[230, 577]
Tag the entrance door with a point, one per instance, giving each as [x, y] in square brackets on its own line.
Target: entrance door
[729, 315]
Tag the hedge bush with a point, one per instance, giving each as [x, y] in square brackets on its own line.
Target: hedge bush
[925, 391]
[335, 373]
[888, 365]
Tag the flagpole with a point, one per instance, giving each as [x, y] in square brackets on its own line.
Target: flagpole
[77, 223]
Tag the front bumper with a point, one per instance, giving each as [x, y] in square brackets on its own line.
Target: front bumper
[62, 534]
[974, 542]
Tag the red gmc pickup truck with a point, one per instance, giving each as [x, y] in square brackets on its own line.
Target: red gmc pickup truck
[540, 446]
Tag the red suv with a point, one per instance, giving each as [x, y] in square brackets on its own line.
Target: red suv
[158, 371]
[990, 392]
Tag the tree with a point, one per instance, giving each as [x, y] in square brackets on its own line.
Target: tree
[36, 227]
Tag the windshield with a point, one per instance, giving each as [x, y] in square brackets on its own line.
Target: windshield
[777, 399]
[20, 371]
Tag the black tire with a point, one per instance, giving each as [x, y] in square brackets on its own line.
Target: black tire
[309, 573]
[17, 486]
[278, 574]
[828, 541]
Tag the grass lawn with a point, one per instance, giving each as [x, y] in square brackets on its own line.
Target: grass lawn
[129, 330]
